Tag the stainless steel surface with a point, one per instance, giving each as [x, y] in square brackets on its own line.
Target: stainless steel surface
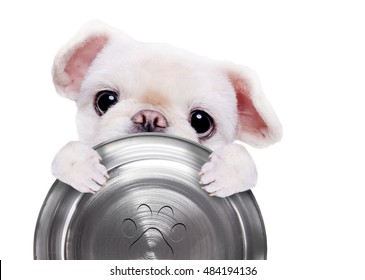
[152, 208]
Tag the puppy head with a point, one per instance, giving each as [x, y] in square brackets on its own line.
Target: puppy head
[122, 86]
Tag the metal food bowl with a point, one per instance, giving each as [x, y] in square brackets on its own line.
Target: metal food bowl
[152, 207]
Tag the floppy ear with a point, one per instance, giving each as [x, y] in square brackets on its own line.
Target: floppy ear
[74, 59]
[258, 124]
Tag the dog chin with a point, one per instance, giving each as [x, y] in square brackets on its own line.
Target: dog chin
[142, 129]
[105, 136]
[117, 129]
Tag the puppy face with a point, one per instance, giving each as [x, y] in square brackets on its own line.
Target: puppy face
[192, 96]
[122, 86]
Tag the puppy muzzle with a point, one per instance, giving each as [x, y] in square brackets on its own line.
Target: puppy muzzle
[149, 121]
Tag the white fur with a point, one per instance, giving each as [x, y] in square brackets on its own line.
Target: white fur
[79, 166]
[173, 82]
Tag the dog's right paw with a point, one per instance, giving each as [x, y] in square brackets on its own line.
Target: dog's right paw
[79, 166]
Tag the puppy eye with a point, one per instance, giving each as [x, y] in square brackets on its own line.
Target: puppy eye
[202, 122]
[104, 100]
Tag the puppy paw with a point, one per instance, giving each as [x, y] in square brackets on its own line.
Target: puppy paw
[229, 171]
[79, 166]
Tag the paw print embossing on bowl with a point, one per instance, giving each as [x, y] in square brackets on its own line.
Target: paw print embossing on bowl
[153, 235]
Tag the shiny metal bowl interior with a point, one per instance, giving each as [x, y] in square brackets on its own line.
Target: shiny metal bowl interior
[152, 208]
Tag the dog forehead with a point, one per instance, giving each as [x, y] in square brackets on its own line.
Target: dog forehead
[157, 74]
[157, 60]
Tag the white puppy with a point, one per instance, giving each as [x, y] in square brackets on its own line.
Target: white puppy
[122, 86]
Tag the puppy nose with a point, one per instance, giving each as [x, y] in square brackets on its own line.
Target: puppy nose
[149, 121]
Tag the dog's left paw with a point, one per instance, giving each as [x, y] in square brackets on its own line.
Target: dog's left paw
[229, 171]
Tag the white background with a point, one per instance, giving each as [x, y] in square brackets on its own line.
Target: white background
[310, 56]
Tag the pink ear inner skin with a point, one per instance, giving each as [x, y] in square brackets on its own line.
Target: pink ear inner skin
[81, 59]
[250, 120]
